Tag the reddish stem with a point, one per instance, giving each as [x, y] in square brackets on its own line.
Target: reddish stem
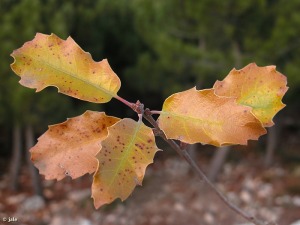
[129, 104]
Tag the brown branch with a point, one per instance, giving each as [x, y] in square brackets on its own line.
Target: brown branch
[184, 154]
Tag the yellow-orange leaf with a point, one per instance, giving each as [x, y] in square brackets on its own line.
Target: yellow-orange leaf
[201, 116]
[261, 88]
[126, 152]
[70, 148]
[48, 60]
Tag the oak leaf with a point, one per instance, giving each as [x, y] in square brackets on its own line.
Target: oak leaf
[261, 88]
[70, 148]
[194, 116]
[126, 152]
[48, 60]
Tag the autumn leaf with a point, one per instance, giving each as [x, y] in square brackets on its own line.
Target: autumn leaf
[48, 60]
[194, 116]
[126, 152]
[69, 148]
[261, 88]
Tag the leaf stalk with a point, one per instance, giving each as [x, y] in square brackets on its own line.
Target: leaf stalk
[129, 104]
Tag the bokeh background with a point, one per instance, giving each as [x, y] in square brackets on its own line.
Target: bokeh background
[156, 48]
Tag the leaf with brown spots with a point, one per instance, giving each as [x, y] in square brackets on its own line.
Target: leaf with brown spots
[48, 60]
[126, 152]
[194, 116]
[70, 148]
[261, 88]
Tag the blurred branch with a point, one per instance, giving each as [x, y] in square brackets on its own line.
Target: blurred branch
[15, 164]
[35, 178]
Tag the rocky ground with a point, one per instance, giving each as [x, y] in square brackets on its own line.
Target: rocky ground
[171, 195]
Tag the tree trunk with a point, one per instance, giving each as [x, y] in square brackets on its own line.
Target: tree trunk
[193, 150]
[271, 145]
[217, 162]
[15, 164]
[35, 178]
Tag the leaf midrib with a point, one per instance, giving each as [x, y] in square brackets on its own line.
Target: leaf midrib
[72, 75]
[199, 120]
[126, 153]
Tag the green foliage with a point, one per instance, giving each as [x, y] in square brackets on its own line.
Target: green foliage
[196, 42]
[24, 18]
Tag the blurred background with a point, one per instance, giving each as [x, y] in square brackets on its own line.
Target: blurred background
[156, 48]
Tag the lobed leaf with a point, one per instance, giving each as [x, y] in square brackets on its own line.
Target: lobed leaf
[261, 88]
[201, 116]
[126, 152]
[48, 60]
[70, 148]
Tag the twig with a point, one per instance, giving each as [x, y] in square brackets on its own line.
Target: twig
[184, 154]
[124, 101]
